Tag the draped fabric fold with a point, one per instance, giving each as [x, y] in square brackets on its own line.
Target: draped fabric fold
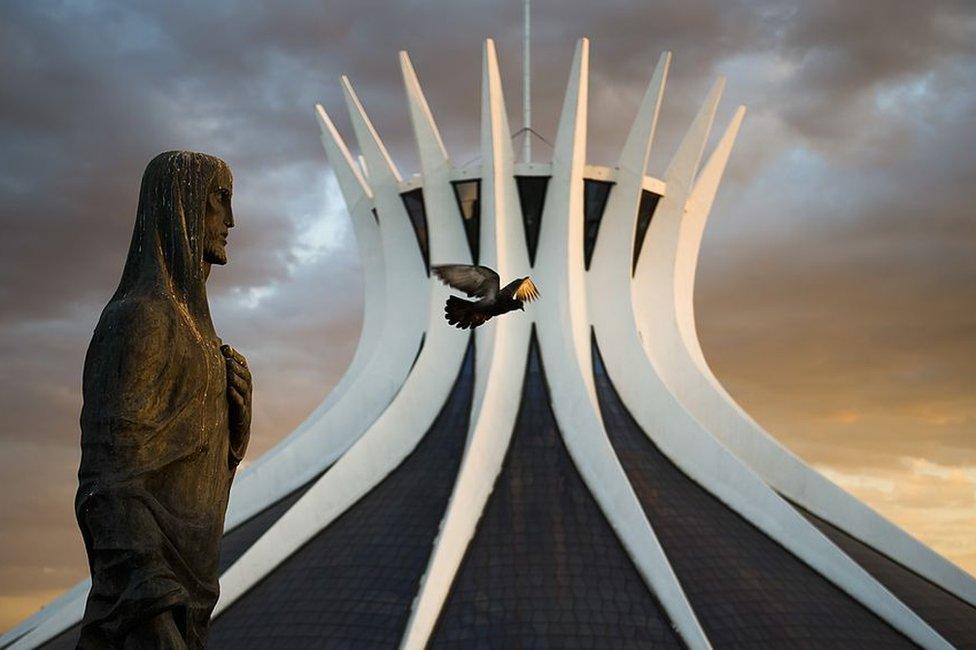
[157, 454]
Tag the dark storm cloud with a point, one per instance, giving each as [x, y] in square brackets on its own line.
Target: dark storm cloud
[836, 288]
[845, 54]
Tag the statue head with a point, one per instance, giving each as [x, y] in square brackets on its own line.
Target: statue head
[219, 217]
[181, 229]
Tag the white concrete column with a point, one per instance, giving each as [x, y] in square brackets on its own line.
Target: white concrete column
[400, 428]
[501, 364]
[671, 340]
[680, 437]
[564, 338]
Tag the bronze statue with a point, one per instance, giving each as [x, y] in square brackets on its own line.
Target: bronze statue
[165, 422]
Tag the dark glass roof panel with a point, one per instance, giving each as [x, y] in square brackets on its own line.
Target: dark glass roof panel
[235, 542]
[351, 586]
[67, 640]
[417, 210]
[544, 569]
[645, 211]
[745, 588]
[952, 617]
[595, 195]
[532, 197]
[468, 196]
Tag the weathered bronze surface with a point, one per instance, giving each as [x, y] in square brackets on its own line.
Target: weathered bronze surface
[165, 422]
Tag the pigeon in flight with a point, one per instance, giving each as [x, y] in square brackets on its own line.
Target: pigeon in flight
[481, 282]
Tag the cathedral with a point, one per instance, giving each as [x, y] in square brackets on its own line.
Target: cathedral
[569, 476]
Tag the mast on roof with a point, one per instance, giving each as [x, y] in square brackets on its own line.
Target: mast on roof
[526, 89]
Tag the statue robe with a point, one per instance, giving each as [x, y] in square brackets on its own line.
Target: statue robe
[157, 455]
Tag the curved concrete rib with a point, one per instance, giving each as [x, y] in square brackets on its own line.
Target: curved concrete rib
[320, 441]
[358, 197]
[447, 241]
[672, 341]
[403, 424]
[371, 458]
[616, 235]
[501, 365]
[684, 441]
[564, 342]
[663, 380]
[277, 473]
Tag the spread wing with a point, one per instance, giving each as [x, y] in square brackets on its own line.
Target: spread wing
[473, 280]
[526, 291]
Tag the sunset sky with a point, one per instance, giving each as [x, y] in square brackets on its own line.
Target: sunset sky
[836, 293]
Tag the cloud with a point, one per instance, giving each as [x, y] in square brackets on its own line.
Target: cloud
[836, 286]
[936, 502]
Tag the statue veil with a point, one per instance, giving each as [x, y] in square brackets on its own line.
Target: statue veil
[166, 253]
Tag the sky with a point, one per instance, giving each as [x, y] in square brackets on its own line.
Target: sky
[836, 294]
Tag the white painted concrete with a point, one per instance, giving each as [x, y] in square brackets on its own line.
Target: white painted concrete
[501, 352]
[358, 399]
[322, 439]
[317, 446]
[403, 424]
[380, 410]
[691, 447]
[371, 458]
[564, 339]
[665, 297]
[359, 199]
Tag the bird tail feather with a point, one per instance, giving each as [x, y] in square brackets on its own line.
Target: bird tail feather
[462, 314]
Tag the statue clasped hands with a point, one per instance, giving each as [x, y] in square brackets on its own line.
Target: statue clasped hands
[238, 401]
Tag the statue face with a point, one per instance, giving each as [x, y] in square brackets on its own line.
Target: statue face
[219, 220]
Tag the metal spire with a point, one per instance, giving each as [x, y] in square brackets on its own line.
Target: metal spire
[526, 88]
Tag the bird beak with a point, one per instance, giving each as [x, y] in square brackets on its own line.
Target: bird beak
[522, 307]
